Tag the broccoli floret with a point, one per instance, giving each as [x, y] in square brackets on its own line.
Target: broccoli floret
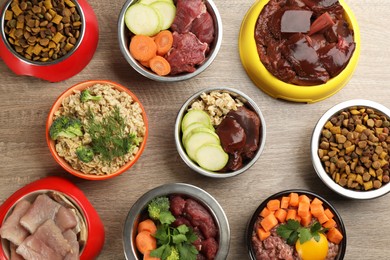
[157, 206]
[66, 127]
[84, 153]
[174, 254]
[85, 95]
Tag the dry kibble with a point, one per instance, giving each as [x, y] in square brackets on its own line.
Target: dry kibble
[42, 30]
[354, 148]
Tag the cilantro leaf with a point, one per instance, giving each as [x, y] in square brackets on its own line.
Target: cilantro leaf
[283, 231]
[162, 235]
[158, 252]
[166, 217]
[304, 235]
[292, 238]
[292, 231]
[191, 237]
[183, 229]
[187, 251]
[177, 239]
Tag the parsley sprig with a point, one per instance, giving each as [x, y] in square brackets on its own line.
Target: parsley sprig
[292, 231]
[173, 242]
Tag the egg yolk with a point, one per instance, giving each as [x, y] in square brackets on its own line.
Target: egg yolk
[313, 250]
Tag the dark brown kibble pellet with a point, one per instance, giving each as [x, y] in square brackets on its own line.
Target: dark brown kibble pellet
[33, 25]
[353, 148]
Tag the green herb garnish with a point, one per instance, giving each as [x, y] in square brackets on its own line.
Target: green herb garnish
[109, 139]
[173, 243]
[292, 231]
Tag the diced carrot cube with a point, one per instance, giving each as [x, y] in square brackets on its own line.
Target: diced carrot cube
[330, 223]
[265, 212]
[281, 215]
[269, 222]
[273, 205]
[305, 198]
[262, 234]
[316, 209]
[303, 209]
[316, 201]
[284, 202]
[294, 199]
[291, 214]
[328, 213]
[334, 235]
[305, 221]
[322, 218]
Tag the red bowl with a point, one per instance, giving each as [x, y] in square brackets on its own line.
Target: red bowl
[61, 161]
[95, 239]
[60, 69]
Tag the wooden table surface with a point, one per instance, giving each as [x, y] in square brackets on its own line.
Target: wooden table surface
[284, 164]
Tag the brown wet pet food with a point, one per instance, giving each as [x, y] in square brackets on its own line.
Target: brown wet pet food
[354, 148]
[43, 30]
[305, 42]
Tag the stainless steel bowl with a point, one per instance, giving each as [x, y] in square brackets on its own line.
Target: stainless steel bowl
[179, 145]
[130, 226]
[124, 42]
[315, 141]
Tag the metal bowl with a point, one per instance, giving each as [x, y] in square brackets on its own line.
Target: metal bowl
[179, 145]
[60, 69]
[140, 206]
[311, 195]
[124, 43]
[277, 88]
[318, 166]
[94, 229]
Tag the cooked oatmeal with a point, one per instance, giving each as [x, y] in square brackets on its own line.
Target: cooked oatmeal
[112, 98]
[217, 105]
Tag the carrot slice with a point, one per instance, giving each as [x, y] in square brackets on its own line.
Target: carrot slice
[262, 234]
[281, 215]
[284, 202]
[294, 199]
[164, 41]
[145, 63]
[148, 257]
[269, 222]
[160, 65]
[145, 242]
[147, 225]
[334, 235]
[142, 47]
[273, 204]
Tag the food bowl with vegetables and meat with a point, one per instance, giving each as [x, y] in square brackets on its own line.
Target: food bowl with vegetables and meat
[97, 129]
[176, 221]
[296, 224]
[168, 41]
[220, 132]
[350, 149]
[302, 51]
[48, 39]
[50, 219]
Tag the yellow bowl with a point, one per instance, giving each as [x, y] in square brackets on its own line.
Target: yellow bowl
[280, 89]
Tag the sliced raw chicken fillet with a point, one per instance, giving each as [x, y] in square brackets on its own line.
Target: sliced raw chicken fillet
[11, 229]
[75, 247]
[52, 236]
[14, 255]
[33, 248]
[65, 219]
[42, 209]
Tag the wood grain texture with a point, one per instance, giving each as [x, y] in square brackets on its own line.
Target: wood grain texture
[284, 164]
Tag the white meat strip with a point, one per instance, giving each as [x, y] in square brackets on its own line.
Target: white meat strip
[34, 249]
[11, 229]
[42, 209]
[65, 219]
[52, 236]
[72, 239]
[14, 255]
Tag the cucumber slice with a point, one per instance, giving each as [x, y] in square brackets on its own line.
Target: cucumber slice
[197, 130]
[198, 139]
[148, 2]
[193, 116]
[194, 126]
[211, 157]
[143, 19]
[167, 13]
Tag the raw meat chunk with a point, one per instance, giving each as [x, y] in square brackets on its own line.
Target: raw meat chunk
[186, 13]
[65, 219]
[34, 249]
[75, 248]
